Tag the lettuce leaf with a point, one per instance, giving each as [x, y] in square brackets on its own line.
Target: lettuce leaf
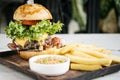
[34, 32]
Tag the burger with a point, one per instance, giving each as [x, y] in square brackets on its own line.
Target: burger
[31, 30]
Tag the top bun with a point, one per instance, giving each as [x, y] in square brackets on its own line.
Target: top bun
[31, 12]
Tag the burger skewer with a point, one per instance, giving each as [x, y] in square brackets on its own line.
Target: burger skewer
[30, 2]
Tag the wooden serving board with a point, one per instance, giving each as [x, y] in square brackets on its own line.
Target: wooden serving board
[12, 60]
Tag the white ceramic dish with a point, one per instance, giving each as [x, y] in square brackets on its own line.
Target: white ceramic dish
[49, 69]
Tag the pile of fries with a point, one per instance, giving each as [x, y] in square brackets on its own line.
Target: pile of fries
[86, 57]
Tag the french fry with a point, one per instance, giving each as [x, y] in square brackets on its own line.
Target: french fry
[82, 54]
[88, 48]
[101, 50]
[85, 67]
[66, 49]
[115, 58]
[50, 51]
[108, 52]
[81, 60]
[94, 53]
[53, 51]
[93, 47]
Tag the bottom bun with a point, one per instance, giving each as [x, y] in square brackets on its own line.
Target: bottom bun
[31, 53]
[28, 54]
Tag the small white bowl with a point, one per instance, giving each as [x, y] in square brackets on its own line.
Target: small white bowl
[49, 69]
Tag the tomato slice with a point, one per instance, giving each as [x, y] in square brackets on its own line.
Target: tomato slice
[29, 22]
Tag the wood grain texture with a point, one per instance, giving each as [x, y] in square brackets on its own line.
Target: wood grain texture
[12, 60]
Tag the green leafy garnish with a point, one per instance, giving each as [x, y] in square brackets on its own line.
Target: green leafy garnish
[17, 30]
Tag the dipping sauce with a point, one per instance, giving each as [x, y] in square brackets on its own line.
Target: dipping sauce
[50, 60]
[50, 65]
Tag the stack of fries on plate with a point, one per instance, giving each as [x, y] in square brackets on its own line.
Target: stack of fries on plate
[86, 57]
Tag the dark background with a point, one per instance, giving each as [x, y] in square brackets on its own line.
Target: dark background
[62, 10]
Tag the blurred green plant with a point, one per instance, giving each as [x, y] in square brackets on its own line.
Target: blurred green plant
[107, 5]
[78, 14]
[117, 5]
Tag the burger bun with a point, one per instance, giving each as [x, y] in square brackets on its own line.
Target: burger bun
[28, 54]
[31, 12]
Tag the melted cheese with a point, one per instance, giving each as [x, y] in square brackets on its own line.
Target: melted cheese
[21, 41]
